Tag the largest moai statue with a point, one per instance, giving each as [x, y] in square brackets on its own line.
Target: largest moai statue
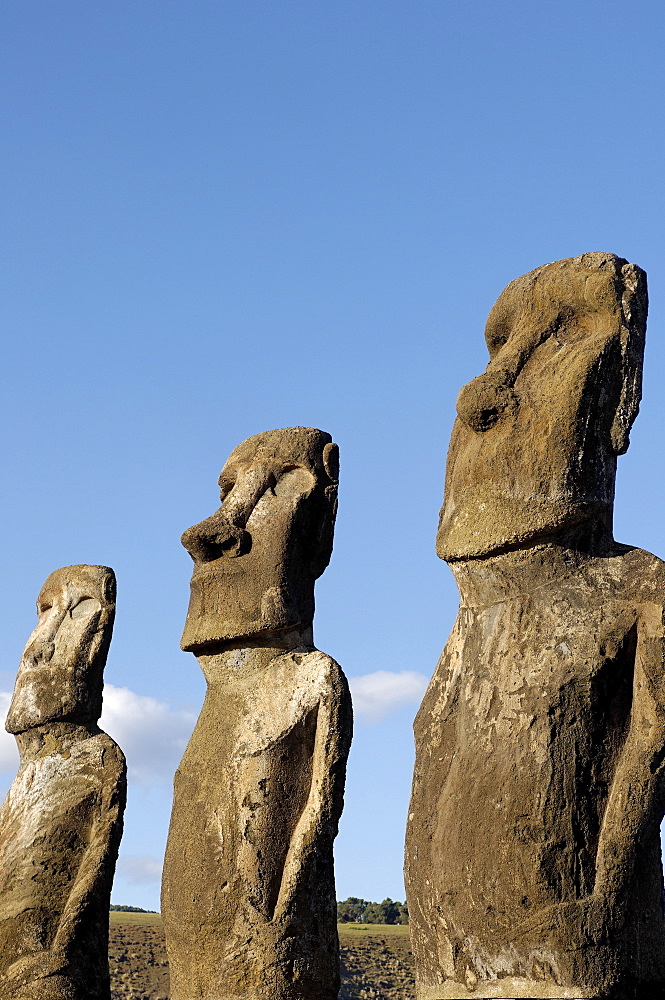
[533, 847]
[248, 893]
[61, 823]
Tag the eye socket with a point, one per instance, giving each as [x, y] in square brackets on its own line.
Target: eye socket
[86, 606]
[294, 481]
[43, 608]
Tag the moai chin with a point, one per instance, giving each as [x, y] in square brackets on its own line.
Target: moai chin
[533, 860]
[61, 823]
[248, 892]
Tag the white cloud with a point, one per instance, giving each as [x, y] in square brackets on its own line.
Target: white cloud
[139, 869]
[376, 695]
[152, 735]
[8, 748]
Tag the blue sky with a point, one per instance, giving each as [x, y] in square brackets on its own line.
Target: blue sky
[223, 217]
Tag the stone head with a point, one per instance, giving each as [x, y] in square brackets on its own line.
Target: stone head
[257, 557]
[60, 677]
[534, 446]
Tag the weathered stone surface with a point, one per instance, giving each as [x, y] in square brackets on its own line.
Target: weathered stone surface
[61, 823]
[533, 846]
[248, 893]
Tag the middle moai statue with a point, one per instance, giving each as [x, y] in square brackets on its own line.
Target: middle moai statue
[533, 844]
[248, 892]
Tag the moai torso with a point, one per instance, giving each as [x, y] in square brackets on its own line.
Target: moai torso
[533, 845]
[61, 823]
[248, 892]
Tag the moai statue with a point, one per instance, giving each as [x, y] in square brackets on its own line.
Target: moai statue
[533, 845]
[248, 893]
[61, 823]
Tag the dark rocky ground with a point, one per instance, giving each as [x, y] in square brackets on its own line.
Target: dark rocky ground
[137, 957]
[376, 962]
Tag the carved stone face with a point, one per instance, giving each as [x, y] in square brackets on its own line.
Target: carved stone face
[61, 672]
[534, 447]
[256, 558]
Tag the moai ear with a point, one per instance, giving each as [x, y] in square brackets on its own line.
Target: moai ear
[109, 588]
[322, 549]
[331, 462]
[634, 304]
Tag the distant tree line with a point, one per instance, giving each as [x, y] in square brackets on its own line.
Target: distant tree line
[362, 911]
[129, 909]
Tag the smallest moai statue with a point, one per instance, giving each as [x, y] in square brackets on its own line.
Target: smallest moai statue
[61, 823]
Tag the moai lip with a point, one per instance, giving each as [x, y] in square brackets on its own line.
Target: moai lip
[533, 845]
[248, 893]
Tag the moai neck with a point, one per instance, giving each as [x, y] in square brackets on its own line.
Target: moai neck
[505, 575]
[52, 737]
[253, 654]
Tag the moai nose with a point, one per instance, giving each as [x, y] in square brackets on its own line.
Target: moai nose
[39, 651]
[214, 538]
[482, 402]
